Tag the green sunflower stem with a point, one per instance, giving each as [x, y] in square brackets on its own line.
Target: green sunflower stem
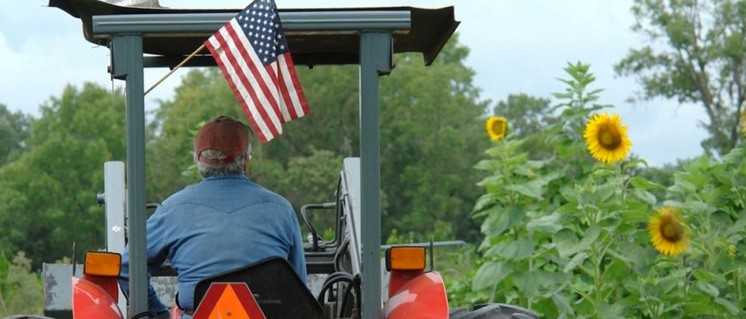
[736, 273]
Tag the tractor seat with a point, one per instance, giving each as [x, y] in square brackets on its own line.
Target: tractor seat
[275, 285]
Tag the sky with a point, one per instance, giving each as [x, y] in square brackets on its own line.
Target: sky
[516, 46]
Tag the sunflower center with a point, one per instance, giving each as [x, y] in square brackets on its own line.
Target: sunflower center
[498, 127]
[609, 137]
[671, 230]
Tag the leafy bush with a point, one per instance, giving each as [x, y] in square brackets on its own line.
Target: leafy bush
[21, 290]
[568, 237]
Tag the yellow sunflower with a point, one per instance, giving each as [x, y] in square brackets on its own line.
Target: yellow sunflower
[667, 232]
[606, 138]
[497, 126]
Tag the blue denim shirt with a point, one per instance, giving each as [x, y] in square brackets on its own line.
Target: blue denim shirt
[214, 226]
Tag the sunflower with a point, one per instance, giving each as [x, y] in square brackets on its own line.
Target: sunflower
[606, 138]
[667, 232]
[497, 126]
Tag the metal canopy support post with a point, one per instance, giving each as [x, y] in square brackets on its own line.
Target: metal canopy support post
[375, 60]
[126, 54]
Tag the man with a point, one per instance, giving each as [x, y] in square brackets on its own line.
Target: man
[221, 223]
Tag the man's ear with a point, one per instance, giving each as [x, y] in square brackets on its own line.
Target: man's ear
[247, 166]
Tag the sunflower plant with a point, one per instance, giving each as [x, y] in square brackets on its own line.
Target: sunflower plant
[582, 233]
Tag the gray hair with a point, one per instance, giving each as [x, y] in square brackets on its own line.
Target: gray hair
[232, 168]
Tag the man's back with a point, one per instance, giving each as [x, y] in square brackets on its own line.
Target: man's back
[219, 224]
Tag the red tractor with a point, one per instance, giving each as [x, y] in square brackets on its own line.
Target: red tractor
[349, 266]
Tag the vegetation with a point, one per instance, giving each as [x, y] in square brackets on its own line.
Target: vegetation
[54, 170]
[13, 133]
[571, 236]
[20, 288]
[696, 55]
[48, 194]
[558, 216]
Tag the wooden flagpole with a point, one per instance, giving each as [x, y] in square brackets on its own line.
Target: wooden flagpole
[175, 68]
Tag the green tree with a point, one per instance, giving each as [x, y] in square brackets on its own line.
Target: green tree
[13, 134]
[697, 55]
[202, 95]
[526, 114]
[431, 119]
[48, 195]
[21, 289]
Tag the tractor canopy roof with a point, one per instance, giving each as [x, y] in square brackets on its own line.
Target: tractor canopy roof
[428, 31]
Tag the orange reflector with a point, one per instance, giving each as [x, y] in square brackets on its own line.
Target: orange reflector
[229, 300]
[405, 258]
[102, 263]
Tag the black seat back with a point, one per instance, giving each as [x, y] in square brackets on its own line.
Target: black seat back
[276, 286]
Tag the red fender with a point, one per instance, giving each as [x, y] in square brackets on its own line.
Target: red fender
[422, 297]
[90, 301]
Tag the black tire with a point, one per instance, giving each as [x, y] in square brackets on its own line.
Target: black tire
[26, 317]
[457, 313]
[495, 311]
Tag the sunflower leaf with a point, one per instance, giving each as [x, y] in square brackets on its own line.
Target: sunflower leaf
[576, 260]
[549, 223]
[645, 196]
[707, 288]
[733, 309]
[734, 156]
[514, 250]
[738, 226]
[533, 189]
[501, 219]
[706, 276]
[484, 202]
[530, 281]
[644, 184]
[563, 304]
[489, 274]
[591, 234]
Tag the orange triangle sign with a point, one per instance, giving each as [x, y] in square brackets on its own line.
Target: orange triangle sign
[229, 301]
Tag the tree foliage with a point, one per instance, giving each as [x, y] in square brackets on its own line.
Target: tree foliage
[13, 134]
[697, 55]
[48, 195]
[21, 290]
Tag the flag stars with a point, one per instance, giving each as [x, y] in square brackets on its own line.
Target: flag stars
[257, 32]
[261, 25]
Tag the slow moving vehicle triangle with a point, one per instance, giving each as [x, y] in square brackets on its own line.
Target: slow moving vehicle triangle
[229, 300]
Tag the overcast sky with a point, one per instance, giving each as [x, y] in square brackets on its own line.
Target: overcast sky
[517, 46]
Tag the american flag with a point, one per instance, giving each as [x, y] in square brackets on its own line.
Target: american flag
[253, 54]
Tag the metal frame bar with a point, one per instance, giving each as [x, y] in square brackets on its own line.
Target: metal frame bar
[375, 60]
[114, 196]
[207, 23]
[126, 33]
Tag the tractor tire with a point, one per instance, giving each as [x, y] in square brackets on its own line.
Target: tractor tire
[26, 317]
[493, 311]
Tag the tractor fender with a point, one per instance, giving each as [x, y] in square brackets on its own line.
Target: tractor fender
[91, 301]
[422, 297]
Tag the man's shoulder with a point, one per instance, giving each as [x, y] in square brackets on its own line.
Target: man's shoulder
[269, 195]
[239, 191]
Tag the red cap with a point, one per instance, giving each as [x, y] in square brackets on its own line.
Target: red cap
[222, 134]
